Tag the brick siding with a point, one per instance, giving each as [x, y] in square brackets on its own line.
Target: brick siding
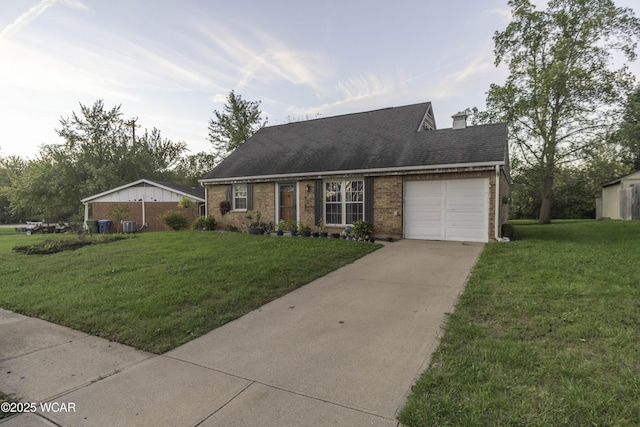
[153, 211]
[263, 202]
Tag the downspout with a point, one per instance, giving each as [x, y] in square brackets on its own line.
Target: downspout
[206, 201]
[497, 207]
[144, 216]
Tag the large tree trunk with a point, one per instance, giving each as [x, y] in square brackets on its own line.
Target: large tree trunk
[545, 206]
[545, 210]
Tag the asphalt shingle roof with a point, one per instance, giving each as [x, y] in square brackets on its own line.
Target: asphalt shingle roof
[187, 189]
[387, 138]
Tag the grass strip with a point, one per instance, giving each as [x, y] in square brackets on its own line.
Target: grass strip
[545, 333]
[160, 290]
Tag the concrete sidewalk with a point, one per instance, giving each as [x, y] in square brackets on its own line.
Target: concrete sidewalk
[342, 350]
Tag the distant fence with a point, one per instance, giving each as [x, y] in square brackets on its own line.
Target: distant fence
[630, 203]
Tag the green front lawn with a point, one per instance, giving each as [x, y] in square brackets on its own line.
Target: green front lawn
[156, 291]
[546, 333]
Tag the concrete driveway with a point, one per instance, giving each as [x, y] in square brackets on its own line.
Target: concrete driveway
[342, 350]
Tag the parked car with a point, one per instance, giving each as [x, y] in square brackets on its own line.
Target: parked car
[32, 227]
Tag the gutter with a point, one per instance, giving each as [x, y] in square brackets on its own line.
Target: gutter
[347, 172]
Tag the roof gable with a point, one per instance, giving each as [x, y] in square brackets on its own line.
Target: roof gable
[185, 190]
[381, 139]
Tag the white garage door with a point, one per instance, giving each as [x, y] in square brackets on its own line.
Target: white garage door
[456, 209]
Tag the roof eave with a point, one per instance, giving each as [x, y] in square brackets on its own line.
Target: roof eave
[320, 174]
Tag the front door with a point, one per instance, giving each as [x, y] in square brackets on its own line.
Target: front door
[288, 202]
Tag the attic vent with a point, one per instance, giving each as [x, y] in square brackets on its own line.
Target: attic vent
[459, 120]
[428, 121]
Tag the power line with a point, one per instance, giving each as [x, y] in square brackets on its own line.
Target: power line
[182, 134]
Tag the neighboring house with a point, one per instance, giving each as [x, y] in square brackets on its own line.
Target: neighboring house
[146, 201]
[390, 167]
[620, 198]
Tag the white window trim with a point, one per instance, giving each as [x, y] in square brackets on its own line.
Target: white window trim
[233, 197]
[343, 189]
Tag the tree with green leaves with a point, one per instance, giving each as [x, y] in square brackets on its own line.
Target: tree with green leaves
[101, 150]
[106, 152]
[562, 91]
[235, 124]
[629, 132]
[193, 167]
[11, 169]
[45, 190]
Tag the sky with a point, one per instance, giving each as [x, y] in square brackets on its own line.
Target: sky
[170, 64]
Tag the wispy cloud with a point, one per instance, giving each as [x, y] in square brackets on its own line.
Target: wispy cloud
[35, 12]
[480, 64]
[255, 56]
[365, 91]
[364, 86]
[27, 17]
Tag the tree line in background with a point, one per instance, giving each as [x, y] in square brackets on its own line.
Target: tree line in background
[570, 102]
[567, 83]
[103, 150]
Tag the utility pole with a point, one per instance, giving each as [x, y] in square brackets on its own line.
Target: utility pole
[132, 122]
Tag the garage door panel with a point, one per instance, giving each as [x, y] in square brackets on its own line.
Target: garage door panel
[447, 210]
[470, 201]
[462, 234]
[426, 228]
[424, 216]
[425, 233]
[466, 185]
[456, 219]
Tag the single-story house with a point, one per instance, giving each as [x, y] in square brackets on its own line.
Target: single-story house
[146, 200]
[620, 198]
[389, 167]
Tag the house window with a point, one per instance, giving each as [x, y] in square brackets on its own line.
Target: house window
[240, 197]
[344, 202]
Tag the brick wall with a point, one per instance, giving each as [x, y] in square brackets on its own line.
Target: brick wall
[263, 202]
[307, 204]
[153, 210]
[387, 206]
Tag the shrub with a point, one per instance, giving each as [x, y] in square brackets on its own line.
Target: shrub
[174, 220]
[291, 225]
[119, 211]
[508, 230]
[362, 229]
[204, 223]
[186, 203]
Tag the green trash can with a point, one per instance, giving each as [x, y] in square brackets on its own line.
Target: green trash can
[92, 226]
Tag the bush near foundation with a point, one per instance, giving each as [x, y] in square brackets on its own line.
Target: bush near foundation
[174, 220]
[204, 223]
